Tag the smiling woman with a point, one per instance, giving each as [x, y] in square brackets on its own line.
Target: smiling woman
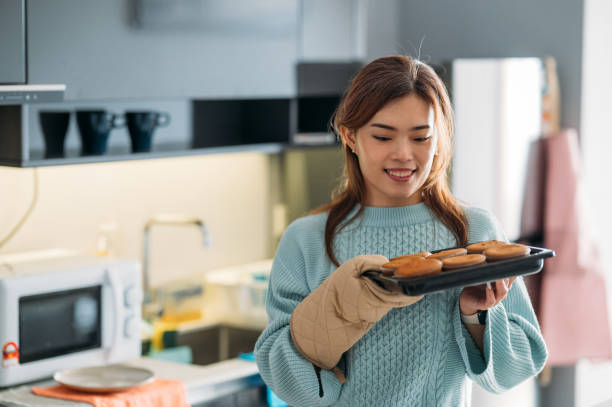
[335, 337]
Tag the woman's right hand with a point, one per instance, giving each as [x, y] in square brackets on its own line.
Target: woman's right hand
[484, 296]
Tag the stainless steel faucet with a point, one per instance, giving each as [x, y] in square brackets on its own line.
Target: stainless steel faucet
[164, 219]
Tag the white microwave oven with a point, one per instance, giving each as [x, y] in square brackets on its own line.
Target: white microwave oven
[59, 310]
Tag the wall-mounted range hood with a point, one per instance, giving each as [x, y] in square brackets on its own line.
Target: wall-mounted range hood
[14, 86]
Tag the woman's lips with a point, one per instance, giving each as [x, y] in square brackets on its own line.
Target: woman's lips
[400, 175]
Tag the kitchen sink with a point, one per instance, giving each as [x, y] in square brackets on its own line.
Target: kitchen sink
[218, 342]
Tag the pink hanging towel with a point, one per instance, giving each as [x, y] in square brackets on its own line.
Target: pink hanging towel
[573, 306]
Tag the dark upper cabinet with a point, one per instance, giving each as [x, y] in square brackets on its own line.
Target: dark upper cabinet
[12, 42]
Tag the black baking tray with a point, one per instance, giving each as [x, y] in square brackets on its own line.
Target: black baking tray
[467, 276]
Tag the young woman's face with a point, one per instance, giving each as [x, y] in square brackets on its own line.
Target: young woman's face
[395, 150]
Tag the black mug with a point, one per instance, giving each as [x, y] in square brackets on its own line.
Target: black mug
[141, 125]
[54, 125]
[94, 127]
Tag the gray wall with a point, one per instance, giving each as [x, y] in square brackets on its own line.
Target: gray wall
[92, 47]
[329, 30]
[451, 29]
[382, 28]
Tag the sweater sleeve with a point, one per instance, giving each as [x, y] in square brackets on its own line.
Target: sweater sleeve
[513, 346]
[282, 367]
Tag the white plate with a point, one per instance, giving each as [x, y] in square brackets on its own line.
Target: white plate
[104, 379]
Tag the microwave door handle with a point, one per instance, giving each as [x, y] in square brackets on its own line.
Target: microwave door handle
[116, 291]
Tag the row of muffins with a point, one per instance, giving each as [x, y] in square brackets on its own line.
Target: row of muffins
[425, 263]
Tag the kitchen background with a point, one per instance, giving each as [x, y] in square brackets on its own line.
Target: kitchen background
[121, 54]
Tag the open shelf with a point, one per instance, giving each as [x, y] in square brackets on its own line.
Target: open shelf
[219, 123]
[198, 127]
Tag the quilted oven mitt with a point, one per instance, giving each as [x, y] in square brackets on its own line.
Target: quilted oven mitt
[340, 311]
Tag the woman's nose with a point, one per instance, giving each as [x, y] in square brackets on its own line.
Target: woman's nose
[403, 151]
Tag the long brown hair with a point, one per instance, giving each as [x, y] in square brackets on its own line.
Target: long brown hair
[378, 83]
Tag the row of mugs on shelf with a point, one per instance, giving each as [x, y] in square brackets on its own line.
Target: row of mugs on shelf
[95, 127]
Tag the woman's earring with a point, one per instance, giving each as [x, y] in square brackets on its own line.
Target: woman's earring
[353, 151]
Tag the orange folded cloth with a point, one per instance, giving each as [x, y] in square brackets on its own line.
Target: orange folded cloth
[159, 393]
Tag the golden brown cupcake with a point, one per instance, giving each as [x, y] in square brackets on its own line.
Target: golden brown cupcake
[507, 251]
[466, 260]
[418, 267]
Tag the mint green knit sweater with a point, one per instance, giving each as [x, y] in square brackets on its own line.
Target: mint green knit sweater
[418, 355]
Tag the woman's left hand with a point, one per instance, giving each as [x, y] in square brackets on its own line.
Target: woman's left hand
[481, 297]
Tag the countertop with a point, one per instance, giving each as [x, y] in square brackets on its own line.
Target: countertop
[203, 383]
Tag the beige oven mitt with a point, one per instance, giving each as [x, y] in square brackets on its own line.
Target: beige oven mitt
[340, 311]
